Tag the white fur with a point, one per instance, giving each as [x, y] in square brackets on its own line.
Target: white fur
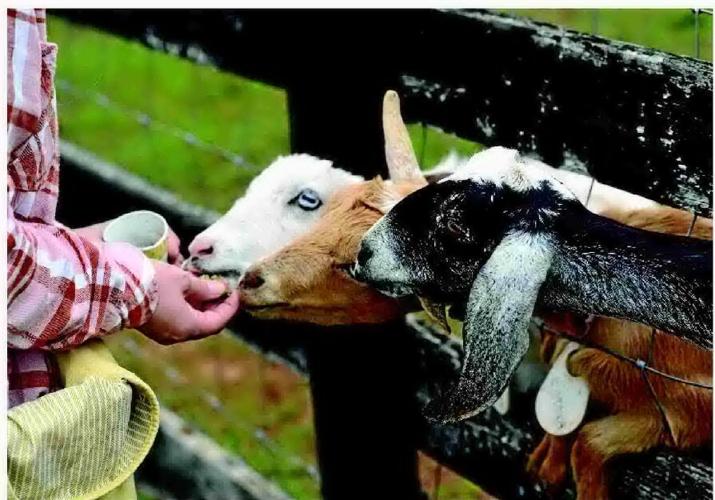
[497, 164]
[262, 221]
[504, 166]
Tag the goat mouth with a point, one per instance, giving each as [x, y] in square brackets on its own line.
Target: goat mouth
[394, 290]
[264, 307]
[220, 273]
[232, 274]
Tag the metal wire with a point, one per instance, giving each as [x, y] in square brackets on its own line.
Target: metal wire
[643, 365]
[651, 389]
[696, 13]
[590, 191]
[146, 120]
[692, 225]
[637, 362]
[176, 377]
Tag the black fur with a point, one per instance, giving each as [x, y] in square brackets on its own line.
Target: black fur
[442, 236]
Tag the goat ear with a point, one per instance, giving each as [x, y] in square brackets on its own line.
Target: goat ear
[401, 160]
[376, 195]
[383, 195]
[495, 334]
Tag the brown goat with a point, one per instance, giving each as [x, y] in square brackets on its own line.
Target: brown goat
[306, 281]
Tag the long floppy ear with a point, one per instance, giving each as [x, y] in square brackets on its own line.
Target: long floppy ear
[401, 160]
[495, 334]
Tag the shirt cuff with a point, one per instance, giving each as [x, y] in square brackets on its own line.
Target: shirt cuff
[135, 276]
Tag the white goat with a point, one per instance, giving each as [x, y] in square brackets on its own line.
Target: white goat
[282, 202]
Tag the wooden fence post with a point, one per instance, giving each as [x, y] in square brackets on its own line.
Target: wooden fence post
[361, 378]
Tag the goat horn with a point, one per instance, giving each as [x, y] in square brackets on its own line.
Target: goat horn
[436, 311]
[401, 160]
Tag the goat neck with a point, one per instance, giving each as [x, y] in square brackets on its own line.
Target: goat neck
[605, 268]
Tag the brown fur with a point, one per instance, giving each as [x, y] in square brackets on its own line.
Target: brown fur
[304, 280]
[634, 423]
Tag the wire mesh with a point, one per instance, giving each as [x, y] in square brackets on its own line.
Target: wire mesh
[645, 366]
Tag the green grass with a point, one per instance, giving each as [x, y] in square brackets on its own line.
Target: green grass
[242, 116]
[255, 394]
[249, 119]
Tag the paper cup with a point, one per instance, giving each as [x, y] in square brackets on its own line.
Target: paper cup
[146, 230]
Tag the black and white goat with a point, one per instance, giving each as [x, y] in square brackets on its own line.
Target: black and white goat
[505, 239]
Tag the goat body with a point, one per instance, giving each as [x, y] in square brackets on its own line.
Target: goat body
[632, 421]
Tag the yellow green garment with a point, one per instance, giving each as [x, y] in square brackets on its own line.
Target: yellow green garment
[86, 440]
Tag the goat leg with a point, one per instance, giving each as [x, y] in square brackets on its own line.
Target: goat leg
[603, 439]
[548, 463]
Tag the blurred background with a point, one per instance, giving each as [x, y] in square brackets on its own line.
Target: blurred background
[203, 134]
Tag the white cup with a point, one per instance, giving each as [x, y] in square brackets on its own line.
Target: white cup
[144, 229]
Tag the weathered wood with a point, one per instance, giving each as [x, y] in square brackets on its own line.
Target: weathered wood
[363, 398]
[636, 118]
[489, 449]
[318, 126]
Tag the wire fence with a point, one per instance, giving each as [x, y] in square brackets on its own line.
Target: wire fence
[146, 120]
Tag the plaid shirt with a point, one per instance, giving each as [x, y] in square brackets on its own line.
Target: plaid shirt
[62, 289]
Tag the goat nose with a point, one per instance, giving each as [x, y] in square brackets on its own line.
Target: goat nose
[364, 254]
[251, 279]
[201, 246]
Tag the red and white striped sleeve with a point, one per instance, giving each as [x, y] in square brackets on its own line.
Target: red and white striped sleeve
[63, 289]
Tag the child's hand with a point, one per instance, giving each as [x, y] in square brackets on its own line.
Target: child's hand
[189, 307]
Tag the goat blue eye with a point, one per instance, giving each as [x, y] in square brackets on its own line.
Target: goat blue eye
[308, 200]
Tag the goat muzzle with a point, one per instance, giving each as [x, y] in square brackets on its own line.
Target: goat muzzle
[251, 280]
